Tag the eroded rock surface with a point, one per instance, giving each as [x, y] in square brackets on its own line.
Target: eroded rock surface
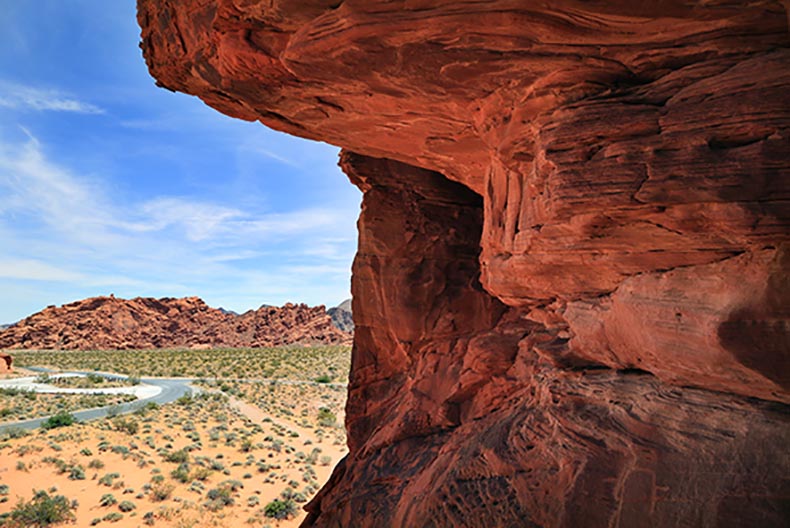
[111, 323]
[6, 362]
[571, 296]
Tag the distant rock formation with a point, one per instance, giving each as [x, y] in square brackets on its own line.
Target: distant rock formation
[6, 362]
[342, 317]
[113, 323]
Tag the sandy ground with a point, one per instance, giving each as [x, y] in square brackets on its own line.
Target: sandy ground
[235, 438]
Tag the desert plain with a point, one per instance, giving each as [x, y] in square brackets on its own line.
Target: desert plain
[239, 451]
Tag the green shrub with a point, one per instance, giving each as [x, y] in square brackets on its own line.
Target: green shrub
[126, 506]
[278, 509]
[76, 473]
[108, 499]
[219, 497]
[179, 457]
[61, 419]
[95, 378]
[181, 473]
[42, 510]
[326, 418]
[323, 378]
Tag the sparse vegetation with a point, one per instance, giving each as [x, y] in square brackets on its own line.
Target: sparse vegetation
[61, 419]
[212, 458]
[17, 405]
[42, 510]
[280, 509]
[291, 362]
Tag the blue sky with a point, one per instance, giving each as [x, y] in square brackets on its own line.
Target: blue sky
[111, 185]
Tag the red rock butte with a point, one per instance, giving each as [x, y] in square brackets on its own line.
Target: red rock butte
[571, 293]
[111, 323]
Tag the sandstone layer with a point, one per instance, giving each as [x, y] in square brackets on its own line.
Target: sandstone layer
[572, 291]
[111, 323]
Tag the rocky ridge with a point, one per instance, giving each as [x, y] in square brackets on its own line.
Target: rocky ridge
[571, 296]
[141, 323]
[342, 316]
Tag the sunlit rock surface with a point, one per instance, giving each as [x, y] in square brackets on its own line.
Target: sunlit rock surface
[571, 295]
[111, 323]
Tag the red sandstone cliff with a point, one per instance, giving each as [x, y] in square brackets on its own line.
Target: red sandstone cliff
[572, 292]
[102, 323]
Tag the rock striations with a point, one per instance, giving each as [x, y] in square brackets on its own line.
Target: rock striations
[102, 323]
[572, 292]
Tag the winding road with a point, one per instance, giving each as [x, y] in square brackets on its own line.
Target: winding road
[170, 390]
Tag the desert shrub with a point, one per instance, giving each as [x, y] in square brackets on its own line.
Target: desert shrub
[108, 499]
[76, 472]
[61, 419]
[181, 473]
[113, 517]
[126, 425]
[326, 418]
[42, 510]
[323, 378]
[14, 432]
[161, 491]
[325, 460]
[219, 497]
[179, 457]
[107, 479]
[278, 509]
[126, 506]
[201, 474]
[95, 464]
[95, 378]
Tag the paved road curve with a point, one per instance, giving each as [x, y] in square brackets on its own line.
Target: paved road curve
[172, 389]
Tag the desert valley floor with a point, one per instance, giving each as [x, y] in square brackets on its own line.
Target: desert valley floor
[219, 457]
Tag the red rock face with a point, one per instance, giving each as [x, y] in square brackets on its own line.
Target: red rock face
[6, 362]
[110, 323]
[571, 296]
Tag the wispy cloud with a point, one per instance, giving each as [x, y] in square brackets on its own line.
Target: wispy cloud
[23, 97]
[30, 269]
[59, 226]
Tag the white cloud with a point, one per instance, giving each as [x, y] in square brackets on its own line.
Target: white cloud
[29, 269]
[58, 225]
[272, 155]
[22, 97]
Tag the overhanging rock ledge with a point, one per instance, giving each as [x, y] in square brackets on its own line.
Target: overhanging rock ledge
[572, 292]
